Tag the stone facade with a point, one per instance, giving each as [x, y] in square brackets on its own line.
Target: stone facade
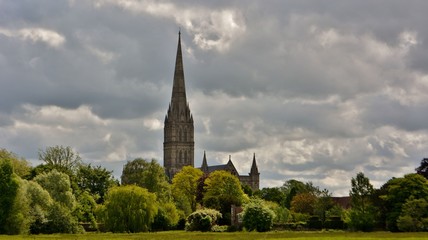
[252, 179]
[179, 143]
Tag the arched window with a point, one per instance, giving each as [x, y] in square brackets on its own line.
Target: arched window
[180, 135]
[180, 157]
[185, 157]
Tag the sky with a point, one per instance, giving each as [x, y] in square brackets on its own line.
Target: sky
[318, 90]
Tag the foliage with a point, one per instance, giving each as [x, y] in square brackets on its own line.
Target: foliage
[423, 168]
[60, 158]
[184, 187]
[293, 187]
[282, 214]
[398, 191]
[19, 219]
[96, 180]
[85, 210]
[40, 204]
[414, 216]
[303, 203]
[166, 218]
[323, 204]
[9, 186]
[362, 215]
[59, 188]
[256, 216]
[149, 175]
[202, 220]
[274, 194]
[222, 191]
[60, 218]
[21, 167]
[129, 209]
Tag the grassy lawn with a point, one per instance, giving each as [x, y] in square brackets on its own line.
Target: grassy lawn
[172, 235]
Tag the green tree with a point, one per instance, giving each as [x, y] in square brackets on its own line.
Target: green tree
[184, 186]
[166, 218]
[202, 220]
[96, 180]
[323, 204]
[398, 191]
[274, 194]
[222, 191]
[60, 217]
[149, 175]
[19, 219]
[414, 216]
[21, 167]
[40, 205]
[61, 158]
[362, 214]
[293, 187]
[9, 186]
[256, 216]
[129, 209]
[59, 187]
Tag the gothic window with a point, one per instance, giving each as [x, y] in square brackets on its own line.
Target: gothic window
[180, 133]
[185, 157]
[180, 157]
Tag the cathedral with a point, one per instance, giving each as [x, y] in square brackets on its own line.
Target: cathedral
[179, 141]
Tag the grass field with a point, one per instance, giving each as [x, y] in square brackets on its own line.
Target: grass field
[181, 235]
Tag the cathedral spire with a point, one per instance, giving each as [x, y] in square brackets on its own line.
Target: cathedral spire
[254, 168]
[204, 166]
[178, 97]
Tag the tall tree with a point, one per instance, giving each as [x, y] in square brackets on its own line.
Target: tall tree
[362, 215]
[9, 185]
[60, 157]
[149, 175]
[185, 184]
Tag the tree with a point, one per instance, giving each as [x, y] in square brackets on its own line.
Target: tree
[222, 191]
[149, 175]
[414, 216]
[59, 188]
[129, 209]
[256, 216]
[274, 194]
[9, 186]
[60, 218]
[202, 220]
[21, 167]
[40, 205]
[303, 203]
[61, 158]
[96, 180]
[423, 168]
[293, 187]
[323, 204]
[398, 191]
[184, 186]
[362, 213]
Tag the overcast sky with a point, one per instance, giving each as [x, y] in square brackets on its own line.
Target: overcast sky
[318, 90]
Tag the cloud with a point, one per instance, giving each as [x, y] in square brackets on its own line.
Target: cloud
[318, 90]
[49, 37]
[211, 29]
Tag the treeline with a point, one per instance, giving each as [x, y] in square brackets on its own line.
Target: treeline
[65, 195]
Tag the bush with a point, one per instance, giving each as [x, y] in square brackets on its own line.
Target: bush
[314, 223]
[256, 216]
[202, 220]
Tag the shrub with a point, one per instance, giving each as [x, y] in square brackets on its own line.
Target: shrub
[256, 216]
[202, 220]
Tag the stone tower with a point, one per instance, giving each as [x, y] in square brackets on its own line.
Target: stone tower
[179, 143]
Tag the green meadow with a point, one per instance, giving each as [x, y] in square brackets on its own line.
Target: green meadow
[174, 235]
